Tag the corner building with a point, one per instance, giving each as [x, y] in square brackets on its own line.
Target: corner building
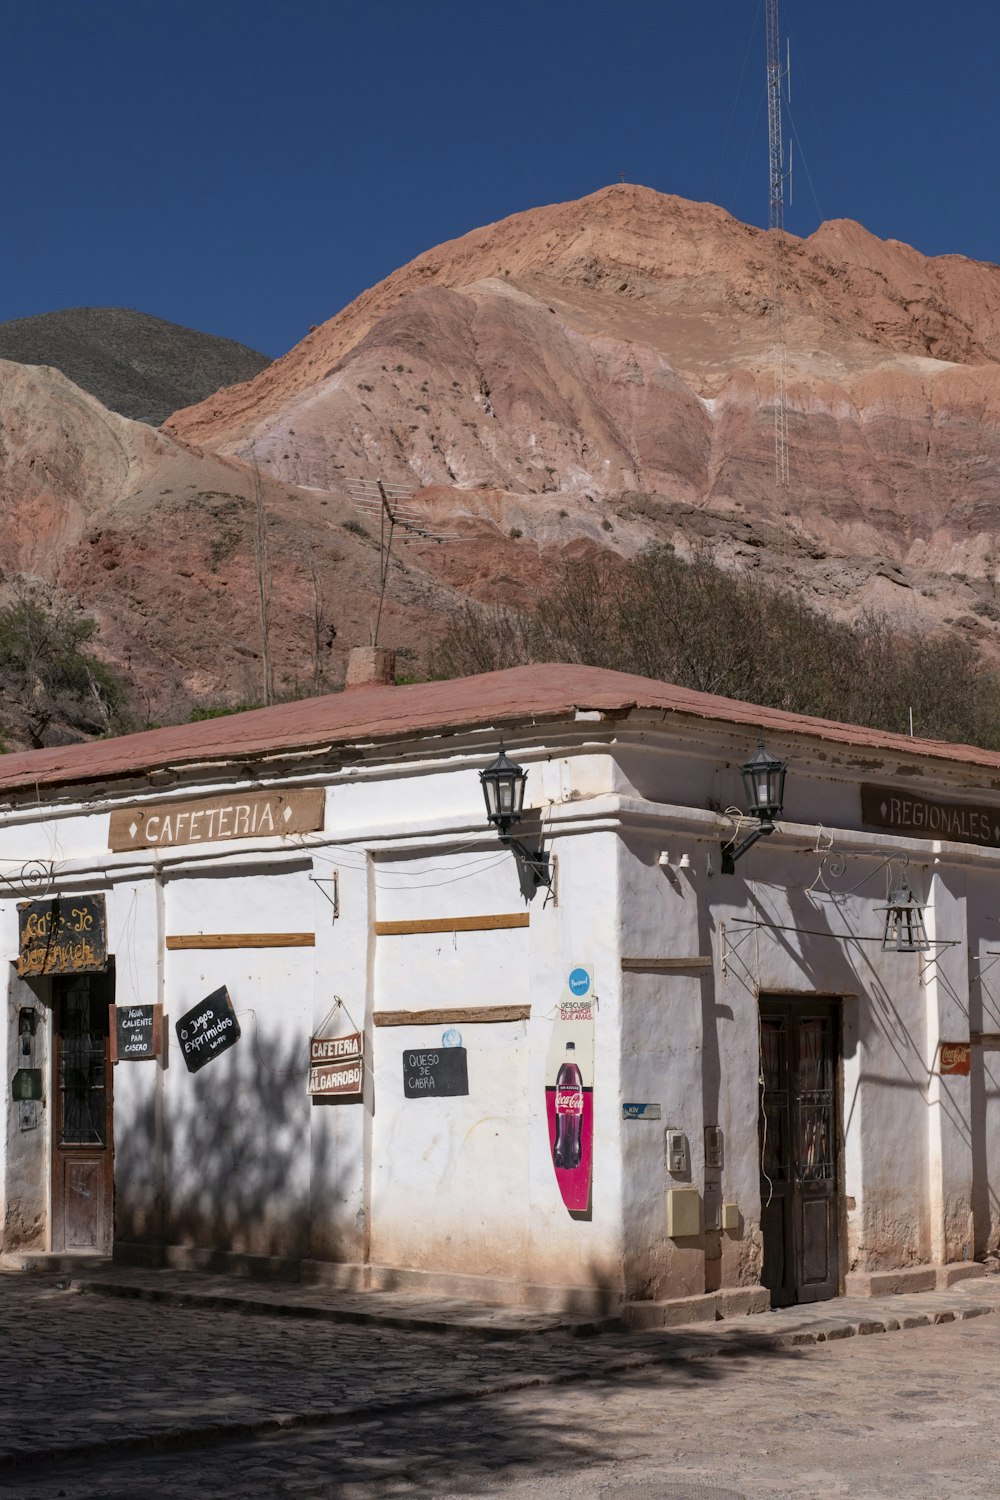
[776, 1108]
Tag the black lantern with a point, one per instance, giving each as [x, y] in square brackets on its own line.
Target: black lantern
[503, 785]
[764, 785]
[904, 922]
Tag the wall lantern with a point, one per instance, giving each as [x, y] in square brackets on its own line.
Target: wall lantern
[503, 789]
[904, 922]
[26, 1084]
[764, 787]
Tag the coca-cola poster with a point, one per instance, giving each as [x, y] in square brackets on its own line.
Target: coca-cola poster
[569, 1090]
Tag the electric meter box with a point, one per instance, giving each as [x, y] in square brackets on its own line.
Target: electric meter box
[678, 1161]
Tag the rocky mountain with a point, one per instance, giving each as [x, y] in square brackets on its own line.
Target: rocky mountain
[138, 366]
[610, 363]
[597, 374]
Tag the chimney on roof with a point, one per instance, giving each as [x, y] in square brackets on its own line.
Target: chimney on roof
[370, 666]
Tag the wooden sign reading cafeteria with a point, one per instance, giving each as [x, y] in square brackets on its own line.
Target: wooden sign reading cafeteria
[929, 818]
[67, 935]
[335, 1065]
[208, 820]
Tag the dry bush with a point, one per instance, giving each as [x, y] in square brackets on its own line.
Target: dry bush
[699, 626]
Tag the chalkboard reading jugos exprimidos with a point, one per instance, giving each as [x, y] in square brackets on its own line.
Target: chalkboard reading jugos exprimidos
[208, 1029]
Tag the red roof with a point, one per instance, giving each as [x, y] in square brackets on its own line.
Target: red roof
[523, 694]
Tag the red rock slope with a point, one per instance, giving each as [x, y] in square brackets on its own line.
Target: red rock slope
[610, 360]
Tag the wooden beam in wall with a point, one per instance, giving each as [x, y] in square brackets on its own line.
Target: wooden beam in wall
[665, 965]
[244, 940]
[453, 924]
[472, 1014]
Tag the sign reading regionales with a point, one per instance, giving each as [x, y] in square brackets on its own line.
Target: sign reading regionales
[929, 818]
[66, 935]
[207, 820]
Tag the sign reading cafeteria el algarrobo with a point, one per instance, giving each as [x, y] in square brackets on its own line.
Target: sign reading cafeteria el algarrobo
[208, 820]
[929, 817]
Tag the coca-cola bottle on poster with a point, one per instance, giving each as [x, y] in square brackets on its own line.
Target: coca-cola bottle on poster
[569, 1112]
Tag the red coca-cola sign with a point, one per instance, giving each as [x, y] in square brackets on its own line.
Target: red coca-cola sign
[569, 1101]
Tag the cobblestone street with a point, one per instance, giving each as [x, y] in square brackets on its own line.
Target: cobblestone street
[122, 1398]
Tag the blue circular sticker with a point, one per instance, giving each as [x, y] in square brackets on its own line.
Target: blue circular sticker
[451, 1038]
[579, 982]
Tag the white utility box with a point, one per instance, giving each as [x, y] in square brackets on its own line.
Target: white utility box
[683, 1213]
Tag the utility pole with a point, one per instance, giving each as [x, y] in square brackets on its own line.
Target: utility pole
[776, 220]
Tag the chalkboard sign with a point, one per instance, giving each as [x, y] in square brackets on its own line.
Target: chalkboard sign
[67, 935]
[209, 1028]
[136, 1032]
[436, 1073]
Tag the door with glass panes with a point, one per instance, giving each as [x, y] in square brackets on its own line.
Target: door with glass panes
[800, 1188]
[82, 1113]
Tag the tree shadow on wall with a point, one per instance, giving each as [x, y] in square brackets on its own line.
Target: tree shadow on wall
[246, 1170]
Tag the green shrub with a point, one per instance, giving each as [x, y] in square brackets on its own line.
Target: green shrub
[50, 677]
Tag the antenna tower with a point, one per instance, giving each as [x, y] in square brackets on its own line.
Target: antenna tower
[776, 220]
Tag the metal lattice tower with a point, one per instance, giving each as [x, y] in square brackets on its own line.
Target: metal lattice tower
[776, 220]
[776, 164]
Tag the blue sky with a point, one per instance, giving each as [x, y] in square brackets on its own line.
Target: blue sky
[247, 167]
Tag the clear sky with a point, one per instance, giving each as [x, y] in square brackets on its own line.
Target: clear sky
[247, 167]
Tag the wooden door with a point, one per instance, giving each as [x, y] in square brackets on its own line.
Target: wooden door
[800, 1188]
[82, 1113]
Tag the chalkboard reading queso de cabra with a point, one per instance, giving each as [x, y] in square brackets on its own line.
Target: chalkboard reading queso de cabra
[209, 1028]
[435, 1072]
[136, 1032]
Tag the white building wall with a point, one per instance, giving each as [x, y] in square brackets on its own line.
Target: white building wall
[237, 1157]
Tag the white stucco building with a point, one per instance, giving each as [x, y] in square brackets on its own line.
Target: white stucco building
[328, 866]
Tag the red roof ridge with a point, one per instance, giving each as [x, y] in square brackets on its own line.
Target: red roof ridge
[541, 690]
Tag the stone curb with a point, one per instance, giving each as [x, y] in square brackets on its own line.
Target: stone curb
[478, 1326]
[686, 1345]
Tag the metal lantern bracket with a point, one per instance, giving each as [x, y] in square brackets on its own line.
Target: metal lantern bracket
[842, 937]
[731, 851]
[333, 896]
[535, 860]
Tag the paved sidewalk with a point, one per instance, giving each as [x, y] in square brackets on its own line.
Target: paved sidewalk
[174, 1360]
[783, 1328]
[417, 1312]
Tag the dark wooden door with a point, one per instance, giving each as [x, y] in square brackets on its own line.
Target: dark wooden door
[82, 1113]
[800, 1190]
